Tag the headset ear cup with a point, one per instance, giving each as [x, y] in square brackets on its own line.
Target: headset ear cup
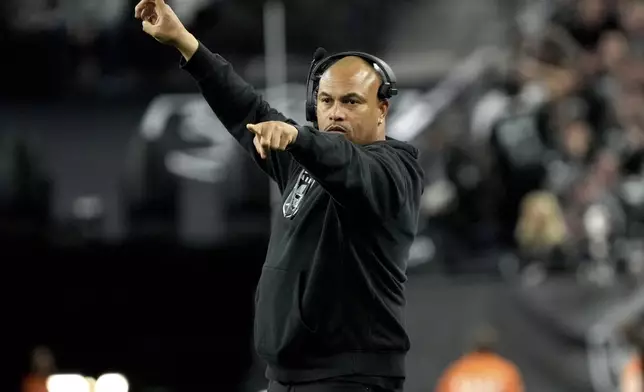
[311, 107]
[310, 112]
[384, 92]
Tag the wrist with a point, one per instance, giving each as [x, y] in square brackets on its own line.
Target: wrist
[302, 139]
[187, 44]
[294, 133]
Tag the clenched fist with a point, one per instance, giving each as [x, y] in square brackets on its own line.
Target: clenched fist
[160, 21]
[272, 135]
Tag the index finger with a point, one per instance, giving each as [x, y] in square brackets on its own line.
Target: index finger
[254, 128]
[159, 3]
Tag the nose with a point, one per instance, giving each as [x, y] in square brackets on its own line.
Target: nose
[336, 114]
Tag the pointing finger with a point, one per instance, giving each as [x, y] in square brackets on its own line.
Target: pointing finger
[159, 3]
[254, 128]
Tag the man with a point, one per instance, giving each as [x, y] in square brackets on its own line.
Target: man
[631, 377]
[482, 370]
[329, 304]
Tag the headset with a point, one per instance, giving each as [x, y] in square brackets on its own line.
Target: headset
[321, 62]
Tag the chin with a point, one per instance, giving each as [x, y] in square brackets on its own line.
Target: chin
[346, 135]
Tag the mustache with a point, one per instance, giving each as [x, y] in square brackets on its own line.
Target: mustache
[336, 127]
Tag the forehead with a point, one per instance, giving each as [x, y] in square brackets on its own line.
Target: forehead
[350, 74]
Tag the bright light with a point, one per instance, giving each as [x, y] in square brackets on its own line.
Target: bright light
[92, 383]
[67, 383]
[111, 383]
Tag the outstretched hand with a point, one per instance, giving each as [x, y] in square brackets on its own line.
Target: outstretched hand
[160, 21]
[272, 135]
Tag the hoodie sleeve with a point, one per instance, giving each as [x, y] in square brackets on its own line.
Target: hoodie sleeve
[236, 104]
[376, 178]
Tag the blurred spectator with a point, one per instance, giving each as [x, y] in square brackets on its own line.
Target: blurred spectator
[482, 369]
[613, 54]
[565, 131]
[587, 20]
[42, 366]
[631, 377]
[632, 16]
[541, 229]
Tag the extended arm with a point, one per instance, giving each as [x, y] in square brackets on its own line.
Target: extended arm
[236, 104]
[381, 178]
[233, 100]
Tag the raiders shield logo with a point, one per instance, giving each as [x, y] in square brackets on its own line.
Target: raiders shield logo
[294, 200]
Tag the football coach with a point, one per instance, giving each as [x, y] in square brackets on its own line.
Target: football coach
[329, 311]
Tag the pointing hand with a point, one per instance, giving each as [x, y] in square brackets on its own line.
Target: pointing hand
[272, 135]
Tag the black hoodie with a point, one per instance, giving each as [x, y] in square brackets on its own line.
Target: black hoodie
[330, 300]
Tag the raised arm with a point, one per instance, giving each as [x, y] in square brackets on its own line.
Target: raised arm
[233, 100]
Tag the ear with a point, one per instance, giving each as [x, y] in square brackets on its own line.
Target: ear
[383, 107]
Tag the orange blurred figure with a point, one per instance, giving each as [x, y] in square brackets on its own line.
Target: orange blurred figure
[482, 370]
[632, 376]
[42, 366]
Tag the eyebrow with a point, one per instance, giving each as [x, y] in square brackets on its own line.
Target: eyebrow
[346, 96]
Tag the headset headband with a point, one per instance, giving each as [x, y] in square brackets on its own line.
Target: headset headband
[386, 90]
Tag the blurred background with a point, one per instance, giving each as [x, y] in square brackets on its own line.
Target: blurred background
[134, 228]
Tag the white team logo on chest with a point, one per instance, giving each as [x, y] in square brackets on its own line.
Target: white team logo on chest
[292, 203]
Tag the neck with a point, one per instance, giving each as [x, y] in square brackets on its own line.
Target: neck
[381, 135]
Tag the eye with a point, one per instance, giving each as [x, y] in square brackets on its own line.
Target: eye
[325, 100]
[351, 101]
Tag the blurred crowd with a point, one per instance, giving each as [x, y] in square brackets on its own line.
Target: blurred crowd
[551, 164]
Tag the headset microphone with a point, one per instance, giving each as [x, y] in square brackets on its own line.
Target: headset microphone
[318, 55]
